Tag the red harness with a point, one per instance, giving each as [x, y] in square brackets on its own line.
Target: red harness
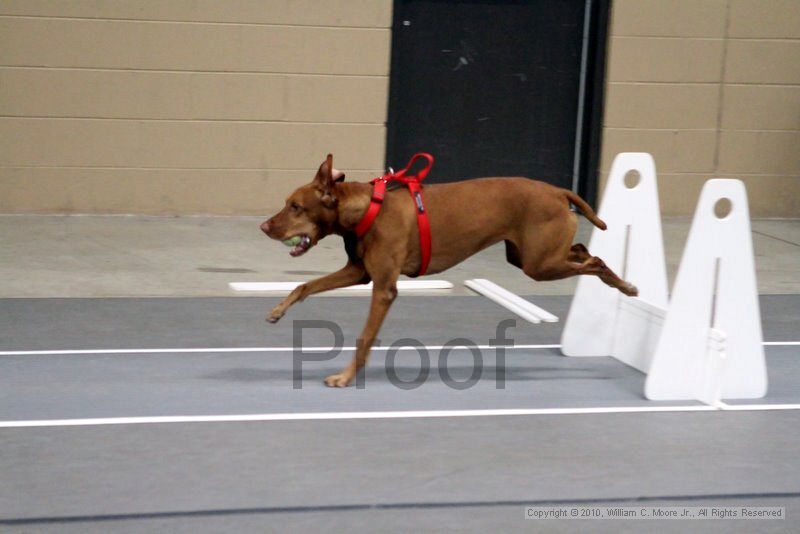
[414, 184]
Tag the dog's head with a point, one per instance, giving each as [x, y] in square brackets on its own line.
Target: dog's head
[310, 212]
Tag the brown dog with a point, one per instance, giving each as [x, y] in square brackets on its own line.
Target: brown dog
[533, 218]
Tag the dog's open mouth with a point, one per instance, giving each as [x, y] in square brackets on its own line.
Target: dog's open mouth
[299, 243]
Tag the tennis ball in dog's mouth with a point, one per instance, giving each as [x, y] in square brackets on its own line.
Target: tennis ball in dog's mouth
[293, 242]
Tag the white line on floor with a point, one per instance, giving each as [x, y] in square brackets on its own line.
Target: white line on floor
[348, 415]
[286, 349]
[757, 407]
[331, 416]
[244, 349]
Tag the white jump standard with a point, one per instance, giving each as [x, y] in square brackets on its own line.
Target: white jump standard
[706, 342]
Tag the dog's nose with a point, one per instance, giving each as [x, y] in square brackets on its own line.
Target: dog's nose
[265, 226]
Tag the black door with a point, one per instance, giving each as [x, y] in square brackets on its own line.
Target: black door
[490, 88]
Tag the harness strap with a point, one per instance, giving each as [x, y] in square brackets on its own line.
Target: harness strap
[415, 190]
[378, 192]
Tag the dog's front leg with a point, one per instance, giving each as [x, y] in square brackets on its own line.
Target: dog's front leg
[384, 291]
[348, 275]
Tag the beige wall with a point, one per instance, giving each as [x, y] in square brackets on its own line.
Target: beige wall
[211, 106]
[186, 106]
[712, 89]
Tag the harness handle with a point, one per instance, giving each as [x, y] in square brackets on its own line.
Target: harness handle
[401, 174]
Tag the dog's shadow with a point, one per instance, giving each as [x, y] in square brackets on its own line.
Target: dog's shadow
[412, 376]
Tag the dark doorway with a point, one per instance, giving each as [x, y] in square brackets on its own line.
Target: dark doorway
[492, 88]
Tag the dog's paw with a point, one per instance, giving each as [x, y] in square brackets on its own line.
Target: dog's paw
[274, 316]
[630, 290]
[340, 380]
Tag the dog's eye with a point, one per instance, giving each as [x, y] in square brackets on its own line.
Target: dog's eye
[296, 207]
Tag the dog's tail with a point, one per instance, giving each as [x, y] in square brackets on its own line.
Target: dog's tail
[585, 209]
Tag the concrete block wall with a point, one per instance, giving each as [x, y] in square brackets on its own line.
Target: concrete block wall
[186, 106]
[712, 89]
[223, 107]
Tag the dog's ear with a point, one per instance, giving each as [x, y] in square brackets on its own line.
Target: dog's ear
[327, 175]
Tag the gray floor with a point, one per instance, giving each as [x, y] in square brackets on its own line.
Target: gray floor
[219, 383]
[456, 474]
[409, 475]
[433, 475]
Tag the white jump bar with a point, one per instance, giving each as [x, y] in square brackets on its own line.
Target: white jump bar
[510, 301]
[285, 287]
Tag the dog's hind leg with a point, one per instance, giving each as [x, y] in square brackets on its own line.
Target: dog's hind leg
[596, 266]
[591, 265]
[578, 253]
[555, 259]
[348, 275]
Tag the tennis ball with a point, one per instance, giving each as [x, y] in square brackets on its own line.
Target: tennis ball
[293, 242]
